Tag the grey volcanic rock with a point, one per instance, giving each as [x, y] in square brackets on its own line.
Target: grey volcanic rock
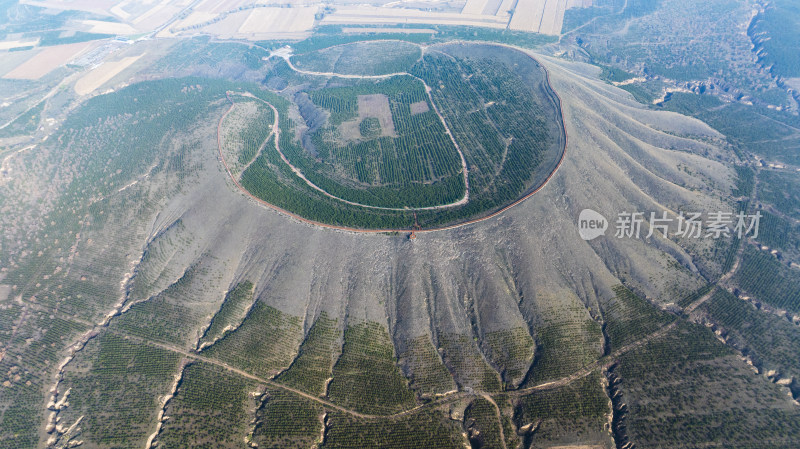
[474, 307]
[512, 271]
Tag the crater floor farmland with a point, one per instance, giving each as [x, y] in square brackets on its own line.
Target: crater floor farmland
[212, 249]
[438, 141]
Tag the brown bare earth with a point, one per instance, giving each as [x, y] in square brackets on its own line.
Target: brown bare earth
[278, 20]
[12, 60]
[348, 30]
[256, 20]
[5, 45]
[95, 6]
[543, 16]
[99, 76]
[377, 105]
[158, 15]
[135, 16]
[419, 107]
[104, 27]
[220, 6]
[196, 18]
[528, 15]
[47, 60]
[228, 26]
[474, 7]
[377, 15]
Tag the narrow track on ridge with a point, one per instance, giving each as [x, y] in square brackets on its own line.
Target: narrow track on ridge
[464, 166]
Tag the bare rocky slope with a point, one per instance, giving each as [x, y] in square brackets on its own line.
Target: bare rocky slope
[477, 279]
[477, 299]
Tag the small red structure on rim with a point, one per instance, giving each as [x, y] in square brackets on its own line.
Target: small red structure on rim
[416, 227]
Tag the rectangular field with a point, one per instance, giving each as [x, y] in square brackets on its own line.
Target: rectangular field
[156, 16]
[492, 7]
[279, 20]
[553, 17]
[103, 27]
[528, 15]
[99, 76]
[12, 60]
[100, 7]
[419, 107]
[505, 7]
[219, 6]
[118, 10]
[377, 15]
[5, 45]
[195, 18]
[474, 7]
[347, 30]
[542, 16]
[227, 26]
[377, 106]
[47, 60]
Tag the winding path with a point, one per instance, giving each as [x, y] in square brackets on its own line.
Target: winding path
[272, 132]
[276, 131]
[96, 329]
[499, 416]
[286, 56]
